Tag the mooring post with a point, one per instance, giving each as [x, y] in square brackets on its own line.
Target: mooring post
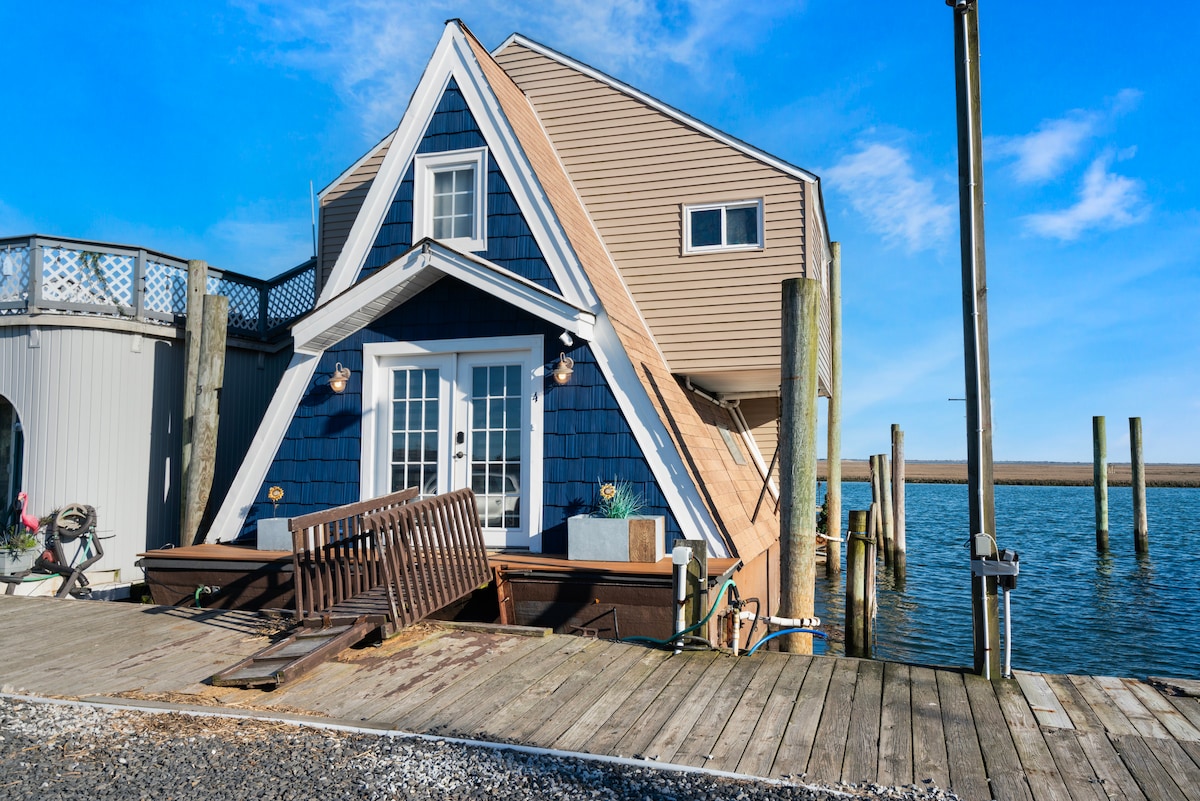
[798, 457]
[898, 534]
[833, 440]
[887, 511]
[1141, 529]
[876, 523]
[1100, 480]
[210, 380]
[857, 641]
[197, 282]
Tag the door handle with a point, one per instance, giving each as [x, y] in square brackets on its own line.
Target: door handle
[459, 455]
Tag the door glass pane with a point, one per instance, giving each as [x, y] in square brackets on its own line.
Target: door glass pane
[414, 457]
[496, 398]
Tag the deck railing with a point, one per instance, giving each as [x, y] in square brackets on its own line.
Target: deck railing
[44, 274]
[333, 557]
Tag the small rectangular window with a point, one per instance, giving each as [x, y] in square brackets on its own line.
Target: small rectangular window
[722, 226]
[450, 198]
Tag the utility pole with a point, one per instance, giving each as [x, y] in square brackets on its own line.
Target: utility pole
[980, 484]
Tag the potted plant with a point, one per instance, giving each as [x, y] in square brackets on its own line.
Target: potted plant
[273, 533]
[18, 550]
[616, 532]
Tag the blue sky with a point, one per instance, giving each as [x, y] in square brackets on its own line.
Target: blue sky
[196, 128]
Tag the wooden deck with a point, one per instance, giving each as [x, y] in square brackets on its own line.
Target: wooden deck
[820, 719]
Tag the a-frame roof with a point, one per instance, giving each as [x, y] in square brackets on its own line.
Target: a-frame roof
[711, 495]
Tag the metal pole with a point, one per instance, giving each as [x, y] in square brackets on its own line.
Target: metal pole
[833, 493]
[975, 344]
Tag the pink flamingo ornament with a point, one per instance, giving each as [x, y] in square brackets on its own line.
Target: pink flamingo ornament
[27, 520]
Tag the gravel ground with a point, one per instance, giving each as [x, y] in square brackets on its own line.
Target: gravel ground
[71, 751]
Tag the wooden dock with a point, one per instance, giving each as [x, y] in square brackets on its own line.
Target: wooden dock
[817, 719]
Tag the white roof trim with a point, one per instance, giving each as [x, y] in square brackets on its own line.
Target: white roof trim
[659, 105]
[253, 471]
[353, 168]
[414, 271]
[453, 58]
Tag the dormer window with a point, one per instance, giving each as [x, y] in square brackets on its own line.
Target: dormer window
[450, 198]
[711, 227]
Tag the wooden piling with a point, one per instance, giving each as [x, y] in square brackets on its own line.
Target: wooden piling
[1141, 530]
[197, 281]
[798, 456]
[1100, 480]
[887, 511]
[210, 379]
[899, 535]
[858, 641]
[876, 529]
[833, 440]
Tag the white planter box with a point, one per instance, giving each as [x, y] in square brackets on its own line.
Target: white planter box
[11, 563]
[273, 534]
[616, 539]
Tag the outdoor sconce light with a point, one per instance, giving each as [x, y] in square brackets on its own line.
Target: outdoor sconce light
[562, 371]
[337, 381]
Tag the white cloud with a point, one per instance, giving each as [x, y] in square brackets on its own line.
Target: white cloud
[883, 187]
[373, 51]
[1106, 201]
[1057, 143]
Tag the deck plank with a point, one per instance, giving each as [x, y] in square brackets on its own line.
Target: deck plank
[1135, 711]
[967, 775]
[1034, 756]
[730, 745]
[1074, 769]
[1000, 757]
[1112, 719]
[728, 707]
[1083, 718]
[1186, 706]
[1182, 769]
[1164, 712]
[762, 748]
[656, 714]
[1113, 774]
[683, 724]
[1043, 701]
[861, 760]
[619, 696]
[796, 742]
[1151, 776]
[834, 705]
[930, 764]
[604, 740]
[895, 765]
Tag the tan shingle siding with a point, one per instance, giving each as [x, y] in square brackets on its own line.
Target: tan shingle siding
[340, 205]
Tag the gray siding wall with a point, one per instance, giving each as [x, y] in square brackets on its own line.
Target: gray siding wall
[340, 204]
[101, 413]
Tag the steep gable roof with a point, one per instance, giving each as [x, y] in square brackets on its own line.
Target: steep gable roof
[729, 490]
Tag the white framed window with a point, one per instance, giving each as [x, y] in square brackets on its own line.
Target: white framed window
[447, 414]
[450, 198]
[710, 227]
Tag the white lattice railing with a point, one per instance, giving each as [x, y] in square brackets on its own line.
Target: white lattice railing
[41, 274]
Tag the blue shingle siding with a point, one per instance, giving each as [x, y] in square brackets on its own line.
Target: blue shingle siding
[586, 439]
[510, 242]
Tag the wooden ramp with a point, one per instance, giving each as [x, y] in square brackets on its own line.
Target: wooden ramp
[299, 652]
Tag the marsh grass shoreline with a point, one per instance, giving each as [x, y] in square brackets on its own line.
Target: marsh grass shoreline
[1054, 474]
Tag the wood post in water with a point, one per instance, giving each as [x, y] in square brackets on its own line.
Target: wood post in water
[210, 380]
[833, 459]
[860, 561]
[1141, 530]
[1100, 480]
[798, 457]
[887, 511]
[898, 534]
[197, 282]
[876, 495]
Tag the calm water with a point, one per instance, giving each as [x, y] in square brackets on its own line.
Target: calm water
[1073, 611]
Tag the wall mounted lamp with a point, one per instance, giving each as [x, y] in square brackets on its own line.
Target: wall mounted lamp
[563, 370]
[337, 381]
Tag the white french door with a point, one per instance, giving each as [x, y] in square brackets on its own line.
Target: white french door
[467, 418]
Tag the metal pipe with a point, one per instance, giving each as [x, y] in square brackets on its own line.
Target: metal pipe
[680, 557]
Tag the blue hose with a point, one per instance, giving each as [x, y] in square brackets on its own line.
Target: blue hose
[758, 644]
[671, 640]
